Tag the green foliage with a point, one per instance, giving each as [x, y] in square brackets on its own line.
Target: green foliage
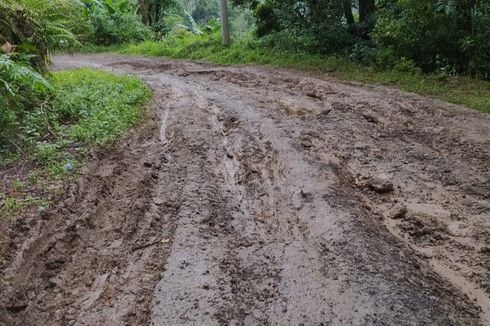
[9, 206]
[111, 6]
[34, 28]
[20, 76]
[157, 12]
[205, 11]
[117, 27]
[318, 22]
[20, 87]
[87, 108]
[17, 185]
[438, 35]
[30, 30]
[266, 19]
[113, 22]
[97, 106]
[442, 36]
[175, 17]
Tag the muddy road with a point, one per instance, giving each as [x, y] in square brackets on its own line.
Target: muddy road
[266, 197]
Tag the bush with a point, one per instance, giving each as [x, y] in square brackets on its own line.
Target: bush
[266, 20]
[478, 45]
[86, 107]
[118, 27]
[364, 53]
[20, 87]
[438, 35]
[311, 26]
[285, 41]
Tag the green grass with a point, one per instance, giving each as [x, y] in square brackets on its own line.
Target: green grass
[100, 105]
[10, 206]
[88, 109]
[469, 92]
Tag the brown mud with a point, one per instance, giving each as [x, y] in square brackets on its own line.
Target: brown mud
[260, 196]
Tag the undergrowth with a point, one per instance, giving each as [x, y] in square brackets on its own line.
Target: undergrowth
[466, 91]
[88, 109]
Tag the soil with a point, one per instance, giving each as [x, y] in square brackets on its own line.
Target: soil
[260, 196]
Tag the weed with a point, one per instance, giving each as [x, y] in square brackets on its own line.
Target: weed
[10, 206]
[17, 185]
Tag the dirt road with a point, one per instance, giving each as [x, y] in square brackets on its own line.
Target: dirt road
[266, 197]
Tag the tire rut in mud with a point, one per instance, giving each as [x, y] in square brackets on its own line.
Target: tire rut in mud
[95, 257]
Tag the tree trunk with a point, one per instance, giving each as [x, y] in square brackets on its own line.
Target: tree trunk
[349, 17]
[366, 9]
[144, 12]
[158, 10]
[225, 27]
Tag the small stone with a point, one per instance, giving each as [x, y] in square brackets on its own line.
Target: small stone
[397, 212]
[68, 166]
[306, 143]
[314, 94]
[380, 185]
[370, 117]
[148, 164]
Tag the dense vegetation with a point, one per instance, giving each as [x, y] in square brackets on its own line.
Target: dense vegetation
[434, 36]
[444, 36]
[49, 122]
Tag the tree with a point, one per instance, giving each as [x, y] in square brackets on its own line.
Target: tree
[225, 26]
[144, 12]
[349, 17]
[366, 10]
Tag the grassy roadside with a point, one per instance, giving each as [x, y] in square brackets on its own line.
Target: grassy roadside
[88, 109]
[472, 93]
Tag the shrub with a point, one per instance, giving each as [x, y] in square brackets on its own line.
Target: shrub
[266, 20]
[20, 87]
[118, 27]
[438, 35]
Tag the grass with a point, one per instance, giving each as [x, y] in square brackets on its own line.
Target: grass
[11, 206]
[472, 93]
[100, 104]
[89, 108]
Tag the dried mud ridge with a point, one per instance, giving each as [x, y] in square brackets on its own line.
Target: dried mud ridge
[266, 197]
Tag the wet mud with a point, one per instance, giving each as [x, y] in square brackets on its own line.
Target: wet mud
[260, 196]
